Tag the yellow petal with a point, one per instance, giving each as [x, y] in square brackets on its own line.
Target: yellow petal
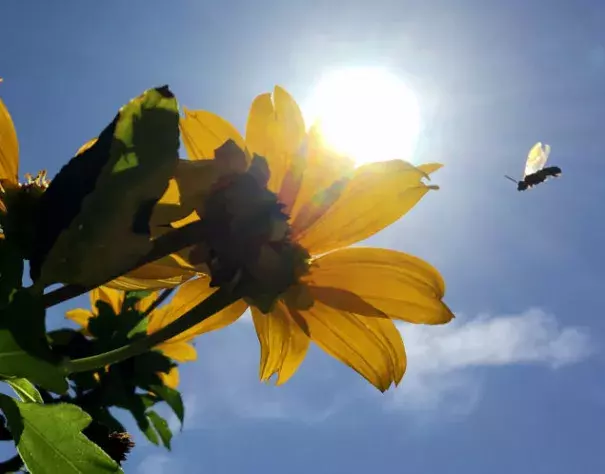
[372, 346]
[290, 122]
[400, 285]
[283, 344]
[86, 146]
[203, 132]
[188, 296]
[166, 267]
[172, 195]
[259, 127]
[179, 351]
[430, 168]
[79, 316]
[135, 284]
[164, 273]
[9, 147]
[376, 196]
[171, 379]
[111, 296]
[275, 130]
[145, 302]
[322, 168]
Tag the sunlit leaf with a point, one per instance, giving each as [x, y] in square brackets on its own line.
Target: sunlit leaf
[25, 390]
[49, 438]
[93, 222]
[161, 426]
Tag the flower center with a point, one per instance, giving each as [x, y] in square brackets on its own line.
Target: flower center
[20, 203]
[248, 239]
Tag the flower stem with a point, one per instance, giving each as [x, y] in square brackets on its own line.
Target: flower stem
[164, 245]
[217, 301]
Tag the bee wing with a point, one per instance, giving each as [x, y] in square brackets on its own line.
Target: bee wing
[536, 159]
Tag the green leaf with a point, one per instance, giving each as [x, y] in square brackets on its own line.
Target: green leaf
[24, 349]
[49, 439]
[25, 390]
[140, 328]
[133, 297]
[94, 217]
[161, 426]
[173, 398]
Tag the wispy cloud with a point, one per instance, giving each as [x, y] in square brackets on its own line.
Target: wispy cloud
[442, 364]
[441, 359]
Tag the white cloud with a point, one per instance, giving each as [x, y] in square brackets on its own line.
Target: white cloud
[442, 363]
[441, 358]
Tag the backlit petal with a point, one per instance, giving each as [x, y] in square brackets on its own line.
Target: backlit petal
[290, 122]
[171, 196]
[400, 285]
[79, 316]
[135, 284]
[275, 130]
[86, 146]
[376, 196]
[171, 379]
[203, 132]
[164, 273]
[283, 344]
[372, 346]
[188, 296]
[145, 302]
[322, 168]
[111, 296]
[9, 147]
[179, 351]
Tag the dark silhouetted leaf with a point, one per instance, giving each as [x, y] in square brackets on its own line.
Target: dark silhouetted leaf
[11, 271]
[24, 350]
[93, 222]
[173, 398]
[70, 343]
[132, 298]
[49, 438]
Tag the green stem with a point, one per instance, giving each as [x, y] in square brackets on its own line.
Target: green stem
[164, 245]
[216, 302]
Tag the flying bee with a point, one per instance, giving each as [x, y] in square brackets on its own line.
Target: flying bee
[535, 172]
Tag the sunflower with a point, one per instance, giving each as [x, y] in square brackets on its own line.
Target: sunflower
[179, 351]
[346, 299]
[21, 197]
[9, 153]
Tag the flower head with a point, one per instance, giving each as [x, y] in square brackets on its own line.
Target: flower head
[179, 351]
[284, 247]
[19, 198]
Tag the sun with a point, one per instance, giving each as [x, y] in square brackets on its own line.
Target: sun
[365, 113]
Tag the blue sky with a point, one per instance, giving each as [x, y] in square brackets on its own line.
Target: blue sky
[515, 384]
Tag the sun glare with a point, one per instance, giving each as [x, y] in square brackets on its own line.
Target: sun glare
[366, 114]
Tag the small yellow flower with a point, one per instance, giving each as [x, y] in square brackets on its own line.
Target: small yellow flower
[347, 299]
[180, 351]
